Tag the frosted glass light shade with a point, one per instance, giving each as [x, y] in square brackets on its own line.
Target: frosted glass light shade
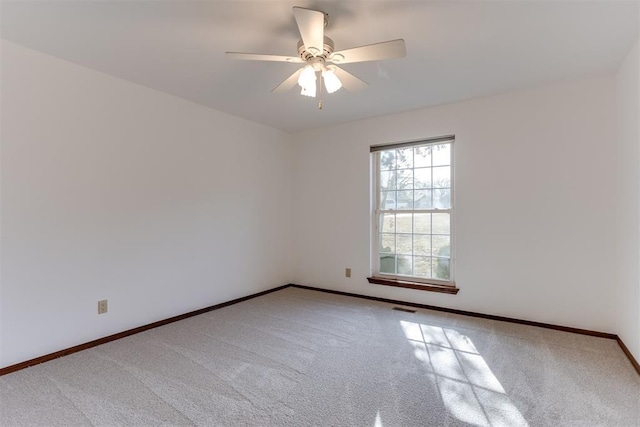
[309, 91]
[307, 81]
[331, 81]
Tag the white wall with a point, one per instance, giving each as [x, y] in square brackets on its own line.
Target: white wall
[114, 191]
[628, 200]
[535, 223]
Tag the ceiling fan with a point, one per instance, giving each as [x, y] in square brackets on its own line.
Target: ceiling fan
[316, 52]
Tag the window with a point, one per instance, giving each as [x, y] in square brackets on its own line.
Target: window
[412, 219]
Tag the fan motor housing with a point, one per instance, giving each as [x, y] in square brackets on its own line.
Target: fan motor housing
[327, 50]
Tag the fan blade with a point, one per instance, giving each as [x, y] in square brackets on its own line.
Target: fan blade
[348, 80]
[261, 57]
[311, 26]
[290, 82]
[373, 52]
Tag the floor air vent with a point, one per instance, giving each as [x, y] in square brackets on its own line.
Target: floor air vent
[408, 310]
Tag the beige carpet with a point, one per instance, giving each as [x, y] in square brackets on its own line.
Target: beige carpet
[305, 358]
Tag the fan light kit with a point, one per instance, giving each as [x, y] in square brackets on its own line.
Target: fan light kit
[316, 52]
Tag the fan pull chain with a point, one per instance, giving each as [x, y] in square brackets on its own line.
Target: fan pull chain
[320, 105]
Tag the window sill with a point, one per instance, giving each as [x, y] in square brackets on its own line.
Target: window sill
[445, 289]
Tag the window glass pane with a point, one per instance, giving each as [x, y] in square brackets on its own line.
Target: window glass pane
[388, 223]
[405, 200]
[440, 245]
[387, 243]
[442, 177]
[387, 160]
[388, 264]
[404, 158]
[442, 198]
[422, 157]
[422, 244]
[405, 179]
[404, 223]
[410, 242]
[387, 200]
[405, 264]
[388, 180]
[441, 155]
[422, 223]
[441, 268]
[422, 199]
[422, 178]
[404, 244]
[441, 223]
[422, 266]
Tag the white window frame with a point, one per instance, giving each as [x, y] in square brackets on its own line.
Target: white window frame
[376, 213]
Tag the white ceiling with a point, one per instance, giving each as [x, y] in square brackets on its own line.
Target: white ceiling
[455, 50]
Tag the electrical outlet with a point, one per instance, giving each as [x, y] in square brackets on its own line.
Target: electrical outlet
[102, 306]
[347, 272]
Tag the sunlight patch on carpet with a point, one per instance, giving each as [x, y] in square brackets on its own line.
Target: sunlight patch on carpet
[468, 388]
[378, 422]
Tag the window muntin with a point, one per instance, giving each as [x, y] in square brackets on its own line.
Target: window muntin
[413, 194]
